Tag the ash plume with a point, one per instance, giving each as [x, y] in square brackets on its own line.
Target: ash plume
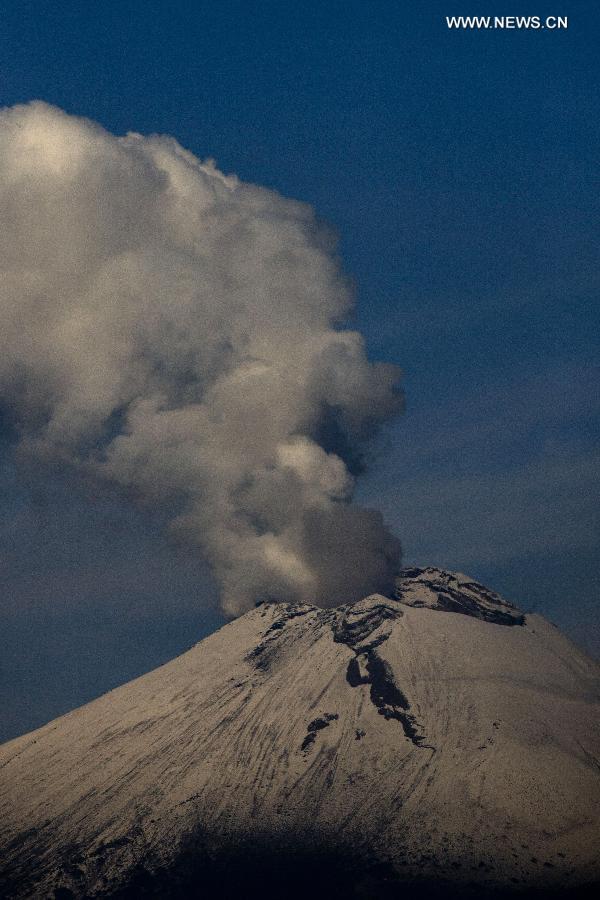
[177, 333]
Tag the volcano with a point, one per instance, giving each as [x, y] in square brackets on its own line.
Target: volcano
[436, 742]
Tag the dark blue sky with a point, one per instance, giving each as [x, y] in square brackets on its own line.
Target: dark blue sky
[460, 169]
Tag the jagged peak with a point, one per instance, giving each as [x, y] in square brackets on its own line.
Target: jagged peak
[367, 623]
[435, 588]
[418, 587]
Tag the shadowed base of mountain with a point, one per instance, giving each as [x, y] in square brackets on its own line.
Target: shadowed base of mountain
[276, 869]
[292, 866]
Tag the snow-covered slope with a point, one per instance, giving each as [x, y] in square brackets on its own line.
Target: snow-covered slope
[436, 737]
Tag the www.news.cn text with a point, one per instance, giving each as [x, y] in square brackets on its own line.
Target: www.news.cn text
[535, 23]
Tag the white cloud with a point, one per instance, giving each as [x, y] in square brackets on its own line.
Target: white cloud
[174, 331]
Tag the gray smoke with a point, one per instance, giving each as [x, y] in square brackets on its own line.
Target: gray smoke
[175, 332]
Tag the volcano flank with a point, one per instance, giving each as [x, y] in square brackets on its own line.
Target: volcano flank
[435, 742]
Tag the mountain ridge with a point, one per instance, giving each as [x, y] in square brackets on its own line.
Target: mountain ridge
[440, 737]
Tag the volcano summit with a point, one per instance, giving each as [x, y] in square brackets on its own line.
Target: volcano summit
[435, 742]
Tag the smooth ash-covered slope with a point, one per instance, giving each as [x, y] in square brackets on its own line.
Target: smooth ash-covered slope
[430, 744]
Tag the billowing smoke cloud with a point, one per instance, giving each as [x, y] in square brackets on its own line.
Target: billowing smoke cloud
[172, 331]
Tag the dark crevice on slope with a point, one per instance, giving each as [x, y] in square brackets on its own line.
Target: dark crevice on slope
[354, 629]
[315, 726]
[353, 674]
[389, 700]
